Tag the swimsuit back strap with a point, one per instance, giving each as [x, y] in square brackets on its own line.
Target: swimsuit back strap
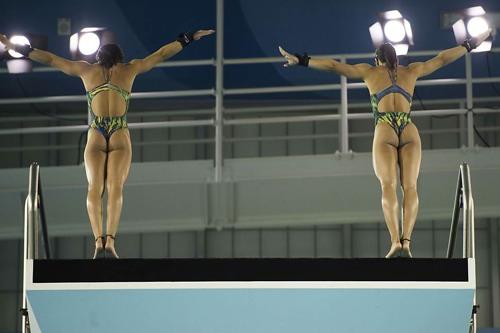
[393, 89]
[105, 87]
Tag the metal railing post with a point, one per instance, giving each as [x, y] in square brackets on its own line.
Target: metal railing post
[455, 216]
[468, 211]
[219, 92]
[343, 123]
[461, 122]
[469, 101]
[30, 235]
[464, 200]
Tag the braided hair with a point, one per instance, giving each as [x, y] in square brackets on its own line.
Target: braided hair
[387, 54]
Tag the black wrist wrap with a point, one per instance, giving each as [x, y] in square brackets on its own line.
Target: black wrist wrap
[303, 59]
[185, 38]
[469, 44]
[25, 50]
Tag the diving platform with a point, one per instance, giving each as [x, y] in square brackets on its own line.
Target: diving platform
[251, 295]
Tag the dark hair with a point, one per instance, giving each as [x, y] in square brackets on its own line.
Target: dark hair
[109, 55]
[387, 54]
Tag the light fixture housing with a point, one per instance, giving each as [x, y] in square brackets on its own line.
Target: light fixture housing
[473, 21]
[392, 28]
[84, 44]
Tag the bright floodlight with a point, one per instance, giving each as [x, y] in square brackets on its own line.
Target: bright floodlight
[474, 11]
[84, 44]
[392, 27]
[90, 29]
[16, 62]
[18, 40]
[477, 25]
[73, 43]
[394, 31]
[472, 24]
[88, 43]
[401, 49]
[18, 66]
[484, 46]
[392, 15]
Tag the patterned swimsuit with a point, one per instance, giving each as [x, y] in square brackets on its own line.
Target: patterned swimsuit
[397, 120]
[107, 125]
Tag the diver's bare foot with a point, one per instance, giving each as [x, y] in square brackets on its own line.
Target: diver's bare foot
[109, 249]
[99, 248]
[395, 250]
[405, 251]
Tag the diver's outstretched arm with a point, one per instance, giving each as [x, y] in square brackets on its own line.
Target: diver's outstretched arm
[446, 57]
[73, 68]
[358, 71]
[167, 51]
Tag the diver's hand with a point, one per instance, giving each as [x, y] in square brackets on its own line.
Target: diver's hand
[290, 58]
[202, 33]
[5, 41]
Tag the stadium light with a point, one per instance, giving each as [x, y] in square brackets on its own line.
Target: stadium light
[84, 44]
[392, 27]
[472, 23]
[16, 62]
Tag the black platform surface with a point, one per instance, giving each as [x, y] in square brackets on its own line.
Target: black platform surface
[190, 270]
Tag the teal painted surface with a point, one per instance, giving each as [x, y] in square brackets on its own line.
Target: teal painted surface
[253, 310]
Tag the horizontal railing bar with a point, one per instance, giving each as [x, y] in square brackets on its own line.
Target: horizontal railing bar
[289, 108]
[265, 90]
[488, 128]
[83, 98]
[486, 110]
[184, 63]
[272, 120]
[44, 129]
[351, 116]
[355, 85]
[368, 55]
[80, 128]
[131, 115]
[175, 93]
[176, 123]
[354, 105]
[74, 146]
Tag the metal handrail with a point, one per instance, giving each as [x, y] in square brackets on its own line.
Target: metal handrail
[34, 217]
[34, 220]
[464, 200]
[30, 235]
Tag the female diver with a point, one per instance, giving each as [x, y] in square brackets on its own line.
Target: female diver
[108, 152]
[396, 141]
